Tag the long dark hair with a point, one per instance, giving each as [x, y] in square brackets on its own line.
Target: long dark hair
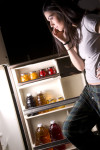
[71, 14]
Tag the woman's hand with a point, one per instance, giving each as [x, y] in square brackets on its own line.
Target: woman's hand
[60, 35]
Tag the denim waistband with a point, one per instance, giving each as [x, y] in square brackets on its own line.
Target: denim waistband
[94, 88]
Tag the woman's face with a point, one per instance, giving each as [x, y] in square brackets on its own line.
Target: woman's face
[54, 20]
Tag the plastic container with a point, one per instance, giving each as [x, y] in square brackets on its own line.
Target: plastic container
[49, 101]
[40, 100]
[30, 102]
[60, 99]
[42, 135]
[56, 134]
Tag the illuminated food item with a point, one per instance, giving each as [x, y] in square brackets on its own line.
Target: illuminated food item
[43, 73]
[49, 101]
[51, 70]
[33, 75]
[24, 77]
[60, 99]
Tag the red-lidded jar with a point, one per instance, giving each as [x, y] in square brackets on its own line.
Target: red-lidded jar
[51, 70]
[54, 70]
[43, 73]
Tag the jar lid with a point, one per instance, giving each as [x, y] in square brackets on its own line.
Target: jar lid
[38, 92]
[32, 71]
[52, 121]
[39, 125]
[23, 74]
[29, 94]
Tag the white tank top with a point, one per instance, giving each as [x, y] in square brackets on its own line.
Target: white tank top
[89, 47]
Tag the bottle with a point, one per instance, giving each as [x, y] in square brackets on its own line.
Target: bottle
[56, 134]
[30, 102]
[42, 135]
[40, 100]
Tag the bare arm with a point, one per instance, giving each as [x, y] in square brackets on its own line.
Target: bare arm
[75, 59]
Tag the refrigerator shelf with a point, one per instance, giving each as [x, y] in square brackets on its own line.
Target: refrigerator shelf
[49, 106]
[68, 106]
[38, 81]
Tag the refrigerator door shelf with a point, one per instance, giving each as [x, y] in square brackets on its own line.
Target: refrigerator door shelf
[49, 106]
[38, 79]
[51, 145]
[68, 106]
[34, 67]
[35, 82]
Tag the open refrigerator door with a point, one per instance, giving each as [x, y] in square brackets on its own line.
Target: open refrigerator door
[60, 89]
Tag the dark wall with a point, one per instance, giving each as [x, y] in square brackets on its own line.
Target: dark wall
[24, 31]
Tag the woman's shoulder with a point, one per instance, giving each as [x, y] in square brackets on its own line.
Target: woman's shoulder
[90, 21]
[91, 17]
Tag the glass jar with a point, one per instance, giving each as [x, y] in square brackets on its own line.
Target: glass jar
[51, 70]
[54, 70]
[49, 101]
[33, 75]
[43, 73]
[60, 99]
[24, 77]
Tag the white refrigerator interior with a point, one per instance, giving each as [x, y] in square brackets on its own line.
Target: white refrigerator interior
[52, 87]
[10, 134]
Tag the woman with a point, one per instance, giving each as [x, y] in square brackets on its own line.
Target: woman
[79, 34]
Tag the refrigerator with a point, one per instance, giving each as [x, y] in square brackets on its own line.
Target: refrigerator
[19, 123]
[67, 82]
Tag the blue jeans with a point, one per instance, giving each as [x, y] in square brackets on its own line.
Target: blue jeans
[82, 118]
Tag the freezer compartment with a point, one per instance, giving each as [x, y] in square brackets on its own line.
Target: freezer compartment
[66, 68]
[34, 67]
